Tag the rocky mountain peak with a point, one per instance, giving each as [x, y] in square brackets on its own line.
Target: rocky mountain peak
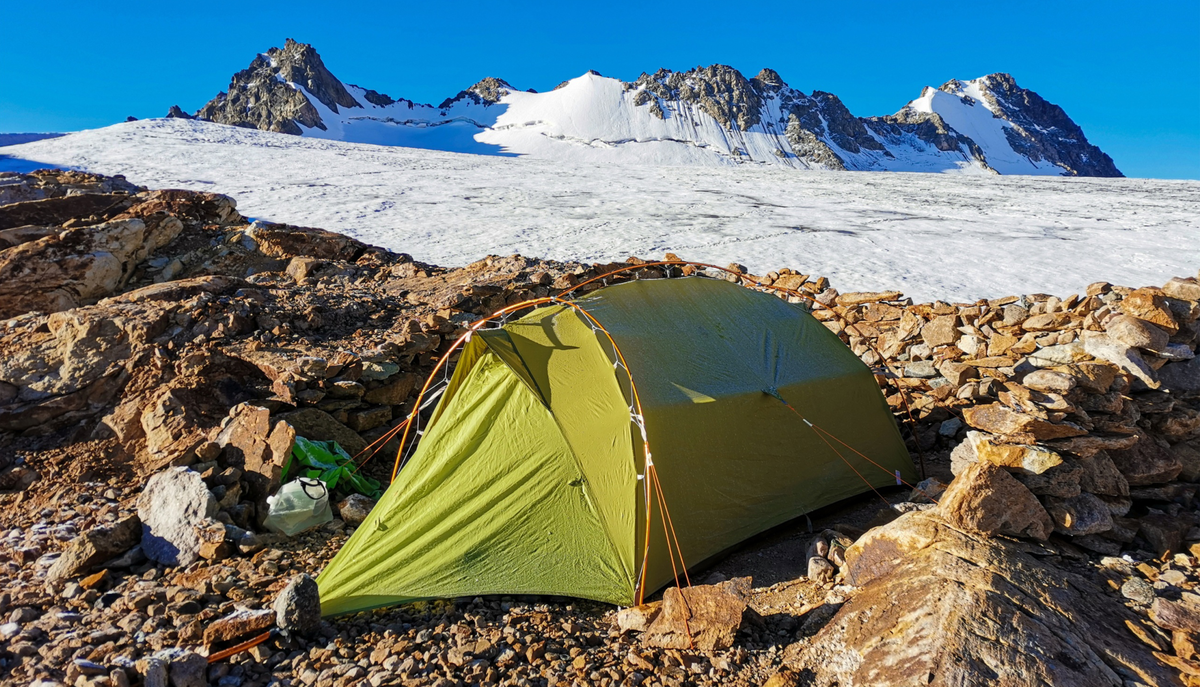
[718, 90]
[769, 77]
[300, 64]
[486, 92]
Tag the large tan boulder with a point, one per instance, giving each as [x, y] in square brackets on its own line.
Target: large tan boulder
[78, 266]
[945, 607]
[986, 499]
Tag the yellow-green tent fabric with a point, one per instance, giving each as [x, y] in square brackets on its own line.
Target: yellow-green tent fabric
[528, 478]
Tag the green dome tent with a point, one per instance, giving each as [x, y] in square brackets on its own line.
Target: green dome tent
[531, 476]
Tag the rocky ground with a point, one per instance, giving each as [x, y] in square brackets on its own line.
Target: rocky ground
[161, 355]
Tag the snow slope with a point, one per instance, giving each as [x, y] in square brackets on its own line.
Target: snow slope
[967, 112]
[932, 236]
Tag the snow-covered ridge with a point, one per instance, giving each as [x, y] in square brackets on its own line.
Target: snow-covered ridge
[707, 116]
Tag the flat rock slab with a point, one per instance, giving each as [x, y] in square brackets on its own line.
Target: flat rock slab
[940, 606]
[712, 614]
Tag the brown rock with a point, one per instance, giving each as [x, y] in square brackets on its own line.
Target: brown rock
[1046, 322]
[318, 425]
[998, 419]
[986, 499]
[1151, 306]
[369, 418]
[784, 678]
[260, 450]
[1137, 333]
[1032, 459]
[393, 393]
[95, 547]
[1172, 616]
[861, 297]
[638, 618]
[239, 624]
[713, 614]
[1049, 380]
[1164, 532]
[957, 373]
[940, 331]
[1188, 455]
[1146, 462]
[66, 270]
[1101, 476]
[1078, 516]
[1104, 347]
[1183, 289]
[1091, 376]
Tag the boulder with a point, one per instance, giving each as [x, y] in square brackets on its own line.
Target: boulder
[96, 546]
[1146, 462]
[1105, 348]
[174, 506]
[1101, 476]
[1182, 378]
[986, 499]
[315, 424]
[1183, 289]
[1081, 515]
[77, 266]
[712, 614]
[1095, 377]
[298, 606]
[1150, 305]
[940, 331]
[260, 448]
[1188, 455]
[944, 607]
[1136, 333]
[1173, 616]
[393, 393]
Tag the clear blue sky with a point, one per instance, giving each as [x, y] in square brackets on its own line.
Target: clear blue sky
[1128, 73]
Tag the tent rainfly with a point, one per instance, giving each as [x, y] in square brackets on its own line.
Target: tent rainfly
[537, 474]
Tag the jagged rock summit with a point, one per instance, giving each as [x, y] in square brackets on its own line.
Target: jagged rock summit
[708, 115]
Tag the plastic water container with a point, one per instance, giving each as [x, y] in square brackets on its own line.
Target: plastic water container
[298, 505]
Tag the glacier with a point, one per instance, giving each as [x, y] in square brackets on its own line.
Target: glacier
[930, 235]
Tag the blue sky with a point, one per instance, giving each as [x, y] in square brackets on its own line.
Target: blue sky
[1128, 73]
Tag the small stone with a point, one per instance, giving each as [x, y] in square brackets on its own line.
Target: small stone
[820, 570]
[298, 606]
[638, 618]
[1139, 590]
[1049, 380]
[355, 508]
[1080, 515]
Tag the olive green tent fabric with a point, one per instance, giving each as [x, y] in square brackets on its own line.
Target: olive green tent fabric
[528, 478]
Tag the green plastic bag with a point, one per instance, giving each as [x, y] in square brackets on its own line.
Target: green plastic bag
[328, 462]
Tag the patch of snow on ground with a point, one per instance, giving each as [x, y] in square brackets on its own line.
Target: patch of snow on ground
[931, 236]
